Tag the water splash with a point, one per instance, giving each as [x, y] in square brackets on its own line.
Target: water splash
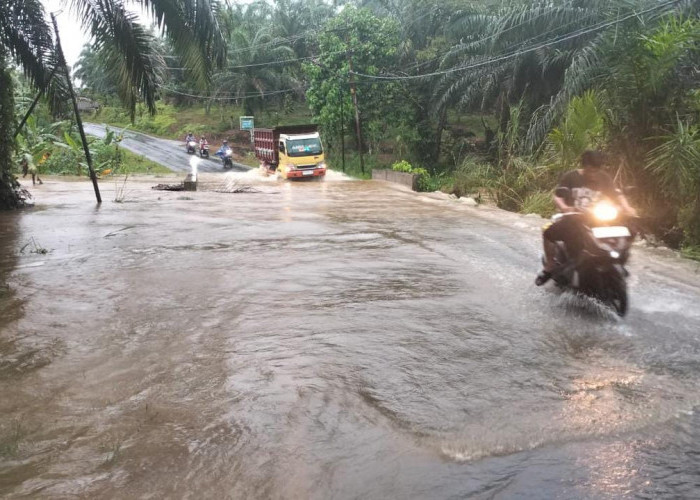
[194, 163]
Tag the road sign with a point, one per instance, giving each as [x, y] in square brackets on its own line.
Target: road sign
[247, 122]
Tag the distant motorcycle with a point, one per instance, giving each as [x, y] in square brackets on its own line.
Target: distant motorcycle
[191, 145]
[598, 270]
[204, 151]
[227, 158]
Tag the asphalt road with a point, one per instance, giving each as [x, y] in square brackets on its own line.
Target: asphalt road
[169, 153]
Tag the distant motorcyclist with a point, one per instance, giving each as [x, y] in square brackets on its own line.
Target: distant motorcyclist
[222, 150]
[203, 142]
[189, 138]
[585, 185]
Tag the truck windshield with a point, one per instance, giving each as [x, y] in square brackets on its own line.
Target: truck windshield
[304, 147]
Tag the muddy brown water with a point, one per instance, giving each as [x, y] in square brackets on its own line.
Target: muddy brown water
[336, 339]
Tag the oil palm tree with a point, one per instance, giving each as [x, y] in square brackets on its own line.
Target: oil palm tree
[26, 38]
[540, 54]
[253, 73]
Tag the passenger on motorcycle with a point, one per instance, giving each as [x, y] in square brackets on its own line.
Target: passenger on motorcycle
[584, 185]
[203, 142]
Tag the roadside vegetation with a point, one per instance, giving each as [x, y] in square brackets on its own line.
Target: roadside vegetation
[487, 98]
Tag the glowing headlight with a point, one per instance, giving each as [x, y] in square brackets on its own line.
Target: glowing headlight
[604, 211]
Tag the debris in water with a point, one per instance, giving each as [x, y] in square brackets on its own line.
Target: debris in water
[169, 187]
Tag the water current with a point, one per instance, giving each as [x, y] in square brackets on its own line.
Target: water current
[336, 339]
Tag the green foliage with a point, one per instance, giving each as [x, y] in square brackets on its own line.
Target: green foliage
[402, 166]
[63, 161]
[691, 252]
[355, 37]
[582, 128]
[540, 202]
[426, 182]
[675, 162]
[472, 177]
[8, 194]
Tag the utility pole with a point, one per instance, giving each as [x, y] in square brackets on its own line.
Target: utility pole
[353, 92]
[78, 120]
[342, 130]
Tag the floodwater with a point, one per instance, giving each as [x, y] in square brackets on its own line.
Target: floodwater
[336, 339]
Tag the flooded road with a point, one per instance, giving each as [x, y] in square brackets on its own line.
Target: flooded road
[336, 339]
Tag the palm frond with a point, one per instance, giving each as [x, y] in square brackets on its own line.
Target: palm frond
[25, 34]
[128, 47]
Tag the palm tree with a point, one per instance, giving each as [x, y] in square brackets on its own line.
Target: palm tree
[254, 72]
[540, 54]
[25, 36]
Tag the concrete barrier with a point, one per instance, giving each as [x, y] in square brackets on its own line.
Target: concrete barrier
[408, 180]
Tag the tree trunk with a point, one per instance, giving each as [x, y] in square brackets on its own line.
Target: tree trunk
[8, 194]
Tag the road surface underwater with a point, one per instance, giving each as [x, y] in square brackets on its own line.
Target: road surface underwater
[335, 339]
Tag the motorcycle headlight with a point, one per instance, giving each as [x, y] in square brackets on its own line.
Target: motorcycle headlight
[229, 153]
[604, 211]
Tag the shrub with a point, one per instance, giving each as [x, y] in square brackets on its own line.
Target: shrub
[540, 203]
[426, 182]
[63, 161]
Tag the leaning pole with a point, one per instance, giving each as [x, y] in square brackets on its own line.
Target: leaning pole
[78, 120]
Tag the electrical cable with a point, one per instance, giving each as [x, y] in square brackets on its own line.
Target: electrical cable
[231, 98]
[555, 41]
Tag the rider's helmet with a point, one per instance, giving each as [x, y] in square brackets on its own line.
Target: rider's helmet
[225, 143]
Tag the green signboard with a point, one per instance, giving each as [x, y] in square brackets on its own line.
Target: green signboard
[246, 122]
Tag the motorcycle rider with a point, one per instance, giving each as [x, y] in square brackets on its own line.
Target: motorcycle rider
[189, 138]
[222, 149]
[203, 142]
[585, 185]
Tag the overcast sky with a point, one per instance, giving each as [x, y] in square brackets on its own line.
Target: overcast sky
[72, 37]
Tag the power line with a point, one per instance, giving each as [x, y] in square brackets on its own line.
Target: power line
[498, 34]
[231, 98]
[563, 38]
[272, 63]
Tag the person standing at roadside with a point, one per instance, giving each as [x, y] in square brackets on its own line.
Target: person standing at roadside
[28, 167]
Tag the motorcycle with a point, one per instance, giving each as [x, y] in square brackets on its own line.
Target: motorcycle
[204, 151]
[191, 145]
[598, 270]
[227, 158]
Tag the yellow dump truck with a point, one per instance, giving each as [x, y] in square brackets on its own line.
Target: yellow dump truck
[290, 151]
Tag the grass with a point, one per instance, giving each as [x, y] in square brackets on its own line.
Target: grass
[691, 252]
[133, 163]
